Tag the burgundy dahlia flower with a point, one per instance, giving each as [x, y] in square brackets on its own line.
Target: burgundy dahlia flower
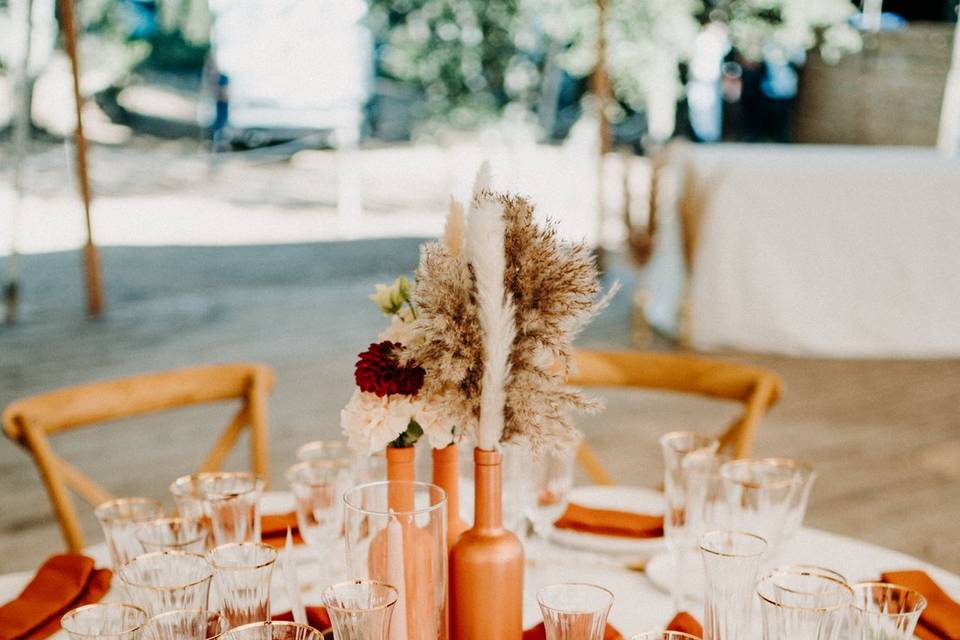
[379, 371]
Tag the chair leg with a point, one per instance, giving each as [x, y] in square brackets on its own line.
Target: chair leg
[59, 496]
[259, 437]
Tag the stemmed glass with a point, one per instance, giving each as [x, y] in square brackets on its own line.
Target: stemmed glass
[883, 611]
[550, 480]
[104, 621]
[173, 534]
[119, 519]
[803, 605]
[360, 610]
[676, 446]
[318, 487]
[242, 573]
[186, 624]
[731, 560]
[574, 611]
[760, 494]
[167, 580]
[232, 502]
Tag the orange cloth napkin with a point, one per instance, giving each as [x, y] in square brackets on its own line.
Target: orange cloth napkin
[61, 584]
[316, 617]
[273, 529]
[610, 523]
[685, 623]
[941, 619]
[539, 632]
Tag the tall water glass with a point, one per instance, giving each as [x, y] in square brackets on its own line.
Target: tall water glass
[275, 630]
[664, 635]
[801, 605]
[760, 494]
[190, 624]
[731, 560]
[119, 520]
[574, 611]
[242, 573]
[389, 541]
[676, 446]
[104, 621]
[360, 610]
[883, 611]
[549, 480]
[804, 476]
[173, 534]
[167, 580]
[232, 502]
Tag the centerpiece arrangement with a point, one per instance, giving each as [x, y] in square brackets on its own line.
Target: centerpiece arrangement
[478, 348]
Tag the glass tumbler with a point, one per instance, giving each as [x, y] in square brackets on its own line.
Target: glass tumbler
[195, 624]
[242, 572]
[802, 605]
[318, 487]
[574, 611]
[406, 549]
[274, 631]
[883, 611]
[731, 560]
[804, 477]
[232, 502]
[760, 494]
[173, 534]
[360, 610]
[119, 519]
[188, 497]
[675, 447]
[104, 621]
[167, 580]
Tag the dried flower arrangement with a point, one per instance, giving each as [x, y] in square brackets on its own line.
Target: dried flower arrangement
[482, 345]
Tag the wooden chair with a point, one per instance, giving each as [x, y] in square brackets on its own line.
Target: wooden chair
[756, 388]
[29, 421]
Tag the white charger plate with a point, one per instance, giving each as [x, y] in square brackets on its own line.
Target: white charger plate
[618, 498]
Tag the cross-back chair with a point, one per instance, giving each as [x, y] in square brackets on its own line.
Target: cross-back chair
[30, 421]
[756, 388]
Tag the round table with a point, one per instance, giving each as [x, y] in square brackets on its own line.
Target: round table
[639, 605]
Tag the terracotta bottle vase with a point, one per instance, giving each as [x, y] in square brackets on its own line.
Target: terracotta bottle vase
[446, 475]
[401, 465]
[486, 565]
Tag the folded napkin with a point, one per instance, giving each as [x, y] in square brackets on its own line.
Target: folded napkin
[685, 623]
[539, 632]
[64, 582]
[941, 619]
[610, 523]
[273, 529]
[316, 617]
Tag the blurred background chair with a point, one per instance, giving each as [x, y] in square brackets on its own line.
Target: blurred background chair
[30, 421]
[756, 388]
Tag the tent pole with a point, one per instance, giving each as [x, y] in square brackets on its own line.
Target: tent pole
[91, 257]
[948, 139]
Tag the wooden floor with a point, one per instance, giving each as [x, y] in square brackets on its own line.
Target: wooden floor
[884, 435]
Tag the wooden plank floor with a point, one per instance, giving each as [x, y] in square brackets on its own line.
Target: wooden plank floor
[885, 435]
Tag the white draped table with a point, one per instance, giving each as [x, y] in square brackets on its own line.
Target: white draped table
[639, 605]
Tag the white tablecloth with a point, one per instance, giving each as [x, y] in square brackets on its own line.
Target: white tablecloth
[819, 250]
[640, 606]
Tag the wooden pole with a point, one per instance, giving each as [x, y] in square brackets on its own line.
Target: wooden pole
[948, 139]
[91, 258]
[604, 93]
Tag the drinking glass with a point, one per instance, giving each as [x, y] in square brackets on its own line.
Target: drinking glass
[676, 446]
[167, 580]
[801, 605]
[188, 497]
[731, 560]
[318, 487]
[760, 494]
[324, 450]
[664, 635]
[360, 610]
[242, 572]
[105, 621]
[173, 534]
[550, 478]
[275, 630]
[370, 468]
[883, 611]
[404, 548]
[804, 476]
[119, 520]
[574, 611]
[194, 624]
[232, 502]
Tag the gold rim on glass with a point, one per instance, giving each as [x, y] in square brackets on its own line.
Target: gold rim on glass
[592, 587]
[103, 509]
[74, 613]
[660, 635]
[276, 623]
[889, 586]
[170, 546]
[392, 590]
[726, 471]
[223, 625]
[273, 553]
[438, 498]
[729, 554]
[158, 554]
[707, 441]
[258, 484]
[844, 587]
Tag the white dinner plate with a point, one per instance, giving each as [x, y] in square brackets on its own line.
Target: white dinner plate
[618, 498]
[661, 569]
